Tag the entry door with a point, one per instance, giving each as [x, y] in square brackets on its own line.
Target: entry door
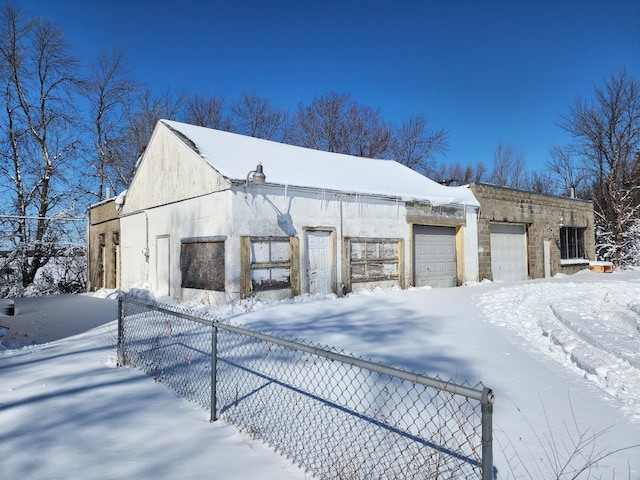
[434, 256]
[319, 262]
[162, 265]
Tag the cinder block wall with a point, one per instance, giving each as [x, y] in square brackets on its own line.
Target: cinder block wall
[541, 216]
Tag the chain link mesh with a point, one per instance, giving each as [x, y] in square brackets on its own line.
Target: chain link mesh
[171, 349]
[336, 420]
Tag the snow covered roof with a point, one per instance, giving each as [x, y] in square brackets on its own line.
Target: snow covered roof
[234, 156]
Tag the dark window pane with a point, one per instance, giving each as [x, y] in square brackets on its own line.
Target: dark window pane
[571, 243]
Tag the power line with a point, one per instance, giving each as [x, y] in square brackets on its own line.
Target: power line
[23, 217]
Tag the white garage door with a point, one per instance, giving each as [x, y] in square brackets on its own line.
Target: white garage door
[508, 252]
[434, 256]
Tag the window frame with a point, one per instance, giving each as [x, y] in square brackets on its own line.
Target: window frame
[369, 264]
[270, 265]
[197, 274]
[572, 244]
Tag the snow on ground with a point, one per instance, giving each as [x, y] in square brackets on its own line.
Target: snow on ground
[67, 412]
[589, 328]
[560, 354]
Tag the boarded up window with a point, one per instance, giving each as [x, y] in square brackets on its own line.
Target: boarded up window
[270, 263]
[202, 264]
[373, 259]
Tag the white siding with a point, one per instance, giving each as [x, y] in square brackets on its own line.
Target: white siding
[170, 171]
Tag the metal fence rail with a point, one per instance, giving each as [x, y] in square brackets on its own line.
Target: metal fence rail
[335, 415]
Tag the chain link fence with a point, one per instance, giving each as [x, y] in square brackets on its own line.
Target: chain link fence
[337, 416]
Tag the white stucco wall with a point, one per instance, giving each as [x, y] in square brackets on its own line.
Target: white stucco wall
[265, 211]
[471, 265]
[205, 216]
[133, 244]
[257, 211]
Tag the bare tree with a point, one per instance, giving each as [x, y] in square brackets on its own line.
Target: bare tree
[141, 118]
[509, 167]
[109, 90]
[206, 112]
[606, 130]
[414, 144]
[480, 174]
[566, 174]
[364, 133]
[253, 115]
[335, 123]
[37, 74]
[318, 125]
[457, 174]
[540, 182]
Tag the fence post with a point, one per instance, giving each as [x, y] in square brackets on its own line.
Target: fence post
[487, 434]
[214, 363]
[122, 361]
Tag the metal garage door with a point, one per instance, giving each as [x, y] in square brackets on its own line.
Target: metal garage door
[434, 256]
[508, 252]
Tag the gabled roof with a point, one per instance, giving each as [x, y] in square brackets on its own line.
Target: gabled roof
[234, 156]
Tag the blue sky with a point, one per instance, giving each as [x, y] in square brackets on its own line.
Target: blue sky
[485, 71]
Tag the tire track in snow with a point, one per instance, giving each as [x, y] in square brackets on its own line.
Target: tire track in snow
[590, 328]
[610, 331]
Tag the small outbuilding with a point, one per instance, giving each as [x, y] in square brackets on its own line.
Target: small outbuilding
[224, 216]
[524, 235]
[103, 246]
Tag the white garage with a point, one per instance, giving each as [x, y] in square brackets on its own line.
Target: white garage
[216, 216]
[508, 252]
[434, 254]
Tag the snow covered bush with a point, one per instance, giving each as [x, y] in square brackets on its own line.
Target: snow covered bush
[627, 253]
[631, 247]
[64, 273]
